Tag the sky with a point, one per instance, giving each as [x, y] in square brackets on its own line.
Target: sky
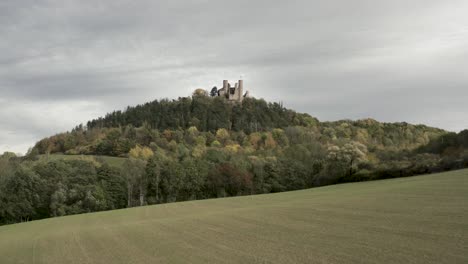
[65, 62]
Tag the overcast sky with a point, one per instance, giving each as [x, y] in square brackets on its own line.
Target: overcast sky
[65, 62]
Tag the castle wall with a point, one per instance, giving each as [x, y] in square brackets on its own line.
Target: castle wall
[238, 91]
[241, 90]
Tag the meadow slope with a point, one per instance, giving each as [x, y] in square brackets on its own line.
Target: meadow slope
[421, 219]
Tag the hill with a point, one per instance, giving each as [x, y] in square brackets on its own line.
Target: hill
[160, 122]
[409, 220]
[203, 147]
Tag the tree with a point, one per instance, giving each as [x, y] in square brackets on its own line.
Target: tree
[114, 186]
[228, 180]
[194, 178]
[222, 135]
[214, 92]
[269, 141]
[354, 153]
[20, 196]
[200, 92]
[272, 176]
[58, 201]
[153, 173]
[280, 137]
[133, 170]
[172, 175]
[343, 161]
[139, 152]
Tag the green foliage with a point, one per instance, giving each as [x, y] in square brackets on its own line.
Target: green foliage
[20, 199]
[207, 114]
[204, 147]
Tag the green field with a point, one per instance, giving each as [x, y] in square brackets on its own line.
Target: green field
[420, 219]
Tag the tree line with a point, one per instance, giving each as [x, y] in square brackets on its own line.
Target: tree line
[205, 113]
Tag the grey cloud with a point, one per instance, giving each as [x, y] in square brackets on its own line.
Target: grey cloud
[390, 60]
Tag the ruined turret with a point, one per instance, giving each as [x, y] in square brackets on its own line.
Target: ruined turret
[233, 94]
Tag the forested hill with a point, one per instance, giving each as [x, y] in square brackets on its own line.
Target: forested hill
[203, 147]
[207, 114]
[153, 122]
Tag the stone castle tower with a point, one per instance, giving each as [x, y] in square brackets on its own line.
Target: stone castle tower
[233, 94]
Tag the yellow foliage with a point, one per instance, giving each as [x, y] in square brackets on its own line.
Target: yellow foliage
[233, 148]
[216, 144]
[198, 151]
[201, 141]
[222, 134]
[143, 153]
[193, 131]
[200, 92]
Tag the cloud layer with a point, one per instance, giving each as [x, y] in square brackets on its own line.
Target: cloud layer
[65, 62]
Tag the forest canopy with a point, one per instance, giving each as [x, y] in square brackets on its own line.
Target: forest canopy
[206, 147]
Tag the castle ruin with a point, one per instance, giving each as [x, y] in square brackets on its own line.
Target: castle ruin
[233, 94]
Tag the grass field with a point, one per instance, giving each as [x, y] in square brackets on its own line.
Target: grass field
[112, 161]
[420, 219]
